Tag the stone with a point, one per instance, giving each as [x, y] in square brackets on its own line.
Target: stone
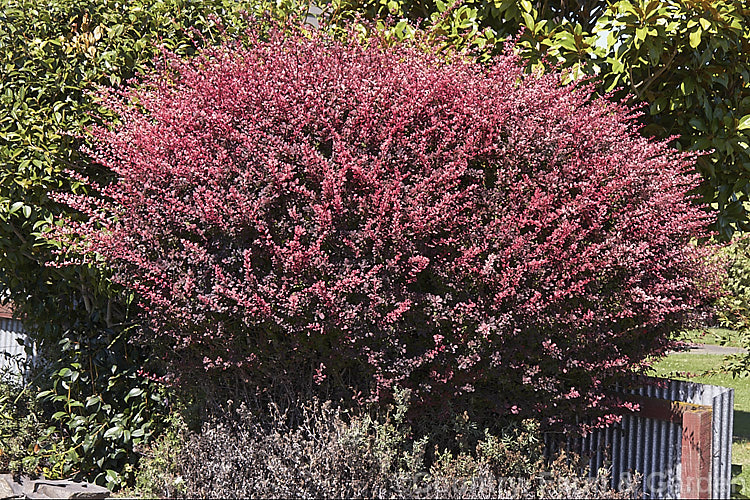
[45, 488]
[7, 489]
[26, 488]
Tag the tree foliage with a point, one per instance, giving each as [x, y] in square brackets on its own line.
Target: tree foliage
[363, 216]
[733, 308]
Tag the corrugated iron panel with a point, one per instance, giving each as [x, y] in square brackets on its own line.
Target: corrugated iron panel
[660, 465]
[10, 332]
[653, 448]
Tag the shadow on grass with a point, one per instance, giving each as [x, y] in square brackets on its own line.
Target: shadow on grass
[742, 424]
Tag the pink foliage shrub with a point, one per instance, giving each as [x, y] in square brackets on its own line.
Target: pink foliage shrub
[360, 216]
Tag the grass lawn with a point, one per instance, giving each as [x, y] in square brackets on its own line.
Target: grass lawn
[712, 336]
[699, 364]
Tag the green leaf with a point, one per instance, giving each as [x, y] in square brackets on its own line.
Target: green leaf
[113, 478]
[695, 38]
[135, 392]
[744, 123]
[113, 432]
[15, 207]
[91, 401]
[566, 40]
[528, 20]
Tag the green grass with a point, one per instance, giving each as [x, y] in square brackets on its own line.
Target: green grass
[699, 364]
[711, 336]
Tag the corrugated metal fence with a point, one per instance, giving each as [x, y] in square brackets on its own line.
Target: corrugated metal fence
[11, 351]
[653, 447]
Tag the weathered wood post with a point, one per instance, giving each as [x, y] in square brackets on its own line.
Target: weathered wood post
[696, 453]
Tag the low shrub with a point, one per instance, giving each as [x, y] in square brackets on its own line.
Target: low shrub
[322, 452]
[342, 217]
[22, 428]
[93, 433]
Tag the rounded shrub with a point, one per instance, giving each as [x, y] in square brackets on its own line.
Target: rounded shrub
[350, 216]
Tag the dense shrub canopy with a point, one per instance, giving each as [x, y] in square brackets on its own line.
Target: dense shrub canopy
[686, 61]
[360, 216]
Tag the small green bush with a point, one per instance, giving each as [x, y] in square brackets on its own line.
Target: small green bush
[733, 308]
[95, 431]
[21, 428]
